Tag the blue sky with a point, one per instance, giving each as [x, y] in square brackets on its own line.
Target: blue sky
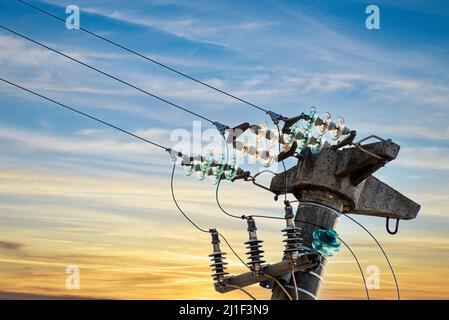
[283, 55]
[286, 56]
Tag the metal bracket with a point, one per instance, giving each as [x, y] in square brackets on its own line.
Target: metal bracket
[291, 121]
[396, 229]
[304, 262]
[221, 127]
[275, 117]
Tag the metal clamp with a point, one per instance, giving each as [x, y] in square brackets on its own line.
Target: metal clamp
[395, 229]
[221, 127]
[276, 117]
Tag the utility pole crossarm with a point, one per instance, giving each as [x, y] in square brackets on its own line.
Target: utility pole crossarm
[303, 262]
[347, 173]
[379, 199]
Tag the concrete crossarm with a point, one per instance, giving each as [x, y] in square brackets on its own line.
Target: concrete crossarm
[379, 199]
[347, 175]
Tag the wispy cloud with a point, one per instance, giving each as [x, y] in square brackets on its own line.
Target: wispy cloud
[76, 194]
[11, 245]
[426, 158]
[85, 146]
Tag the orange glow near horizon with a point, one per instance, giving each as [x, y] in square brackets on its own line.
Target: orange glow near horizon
[159, 256]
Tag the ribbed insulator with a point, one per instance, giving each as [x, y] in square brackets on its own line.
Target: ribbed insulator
[218, 265]
[255, 255]
[254, 245]
[293, 241]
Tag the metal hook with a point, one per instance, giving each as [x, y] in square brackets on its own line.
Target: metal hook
[395, 229]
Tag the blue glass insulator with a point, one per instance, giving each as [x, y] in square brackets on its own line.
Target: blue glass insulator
[326, 242]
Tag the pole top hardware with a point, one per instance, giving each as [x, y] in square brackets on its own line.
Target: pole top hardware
[275, 117]
[221, 127]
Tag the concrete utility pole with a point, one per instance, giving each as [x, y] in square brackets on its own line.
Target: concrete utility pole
[341, 179]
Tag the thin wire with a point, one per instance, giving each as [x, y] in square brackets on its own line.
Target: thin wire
[283, 163]
[285, 201]
[148, 58]
[383, 251]
[172, 178]
[218, 187]
[176, 203]
[280, 285]
[196, 226]
[84, 114]
[242, 217]
[367, 231]
[265, 171]
[233, 251]
[360, 267]
[295, 284]
[135, 136]
[243, 290]
[267, 217]
[107, 74]
[349, 248]
[221, 208]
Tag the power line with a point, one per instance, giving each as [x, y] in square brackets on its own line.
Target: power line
[137, 137]
[243, 290]
[280, 286]
[358, 264]
[148, 58]
[154, 144]
[108, 75]
[283, 165]
[85, 114]
[115, 127]
[233, 251]
[294, 283]
[221, 208]
[242, 217]
[218, 187]
[161, 99]
[176, 203]
[194, 224]
[383, 251]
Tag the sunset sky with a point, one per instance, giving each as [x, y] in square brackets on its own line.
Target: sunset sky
[73, 192]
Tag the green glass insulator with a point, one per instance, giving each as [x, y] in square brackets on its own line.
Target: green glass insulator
[293, 133]
[206, 165]
[308, 125]
[232, 172]
[219, 170]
